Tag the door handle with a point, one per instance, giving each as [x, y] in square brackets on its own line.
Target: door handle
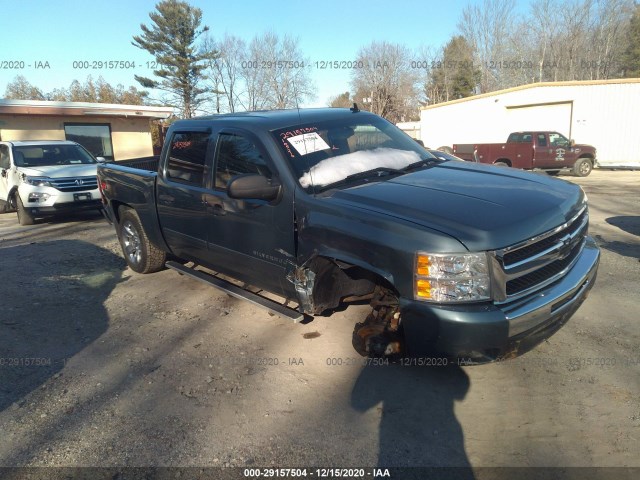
[216, 208]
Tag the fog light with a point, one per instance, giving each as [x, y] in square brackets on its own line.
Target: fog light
[38, 197]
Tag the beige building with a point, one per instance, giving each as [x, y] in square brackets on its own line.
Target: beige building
[115, 132]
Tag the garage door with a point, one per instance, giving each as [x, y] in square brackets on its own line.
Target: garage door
[551, 116]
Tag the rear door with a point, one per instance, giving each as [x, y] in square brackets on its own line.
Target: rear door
[520, 150]
[252, 240]
[181, 192]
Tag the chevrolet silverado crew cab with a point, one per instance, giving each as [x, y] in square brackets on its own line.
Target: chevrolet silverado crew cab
[549, 151]
[305, 211]
[43, 178]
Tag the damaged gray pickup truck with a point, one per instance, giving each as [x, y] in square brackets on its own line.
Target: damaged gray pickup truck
[324, 207]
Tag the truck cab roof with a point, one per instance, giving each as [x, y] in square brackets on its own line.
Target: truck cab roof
[34, 143]
[275, 119]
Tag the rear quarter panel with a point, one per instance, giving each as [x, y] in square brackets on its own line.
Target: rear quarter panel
[134, 188]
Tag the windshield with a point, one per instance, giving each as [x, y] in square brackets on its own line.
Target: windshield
[328, 153]
[48, 155]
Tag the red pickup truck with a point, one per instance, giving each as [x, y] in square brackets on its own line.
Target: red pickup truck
[549, 151]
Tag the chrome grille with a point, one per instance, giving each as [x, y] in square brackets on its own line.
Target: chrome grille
[75, 184]
[531, 265]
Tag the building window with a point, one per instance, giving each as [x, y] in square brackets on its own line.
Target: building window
[95, 137]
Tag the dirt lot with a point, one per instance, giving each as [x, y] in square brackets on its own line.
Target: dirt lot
[104, 367]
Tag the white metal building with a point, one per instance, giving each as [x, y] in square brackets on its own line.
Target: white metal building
[602, 113]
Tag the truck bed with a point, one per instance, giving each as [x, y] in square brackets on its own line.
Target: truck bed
[135, 187]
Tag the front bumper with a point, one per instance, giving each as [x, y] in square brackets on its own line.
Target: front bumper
[486, 332]
[58, 202]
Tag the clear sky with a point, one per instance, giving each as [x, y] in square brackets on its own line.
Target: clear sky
[61, 32]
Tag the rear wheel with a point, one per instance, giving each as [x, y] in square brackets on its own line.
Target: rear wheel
[501, 164]
[24, 216]
[582, 167]
[141, 255]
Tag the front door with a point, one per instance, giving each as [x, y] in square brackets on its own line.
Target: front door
[561, 151]
[251, 239]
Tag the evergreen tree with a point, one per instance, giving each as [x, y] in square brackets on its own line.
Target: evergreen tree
[454, 75]
[631, 56]
[171, 39]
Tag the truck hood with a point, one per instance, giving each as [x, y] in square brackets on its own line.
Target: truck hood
[61, 171]
[581, 147]
[483, 207]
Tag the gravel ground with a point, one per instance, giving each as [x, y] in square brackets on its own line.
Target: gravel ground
[100, 366]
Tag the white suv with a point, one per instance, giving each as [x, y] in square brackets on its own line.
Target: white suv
[43, 178]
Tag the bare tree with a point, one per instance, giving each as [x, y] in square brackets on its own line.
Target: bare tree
[255, 81]
[274, 74]
[608, 38]
[486, 29]
[20, 89]
[225, 69]
[387, 81]
[425, 59]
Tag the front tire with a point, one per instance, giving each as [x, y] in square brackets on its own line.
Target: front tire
[24, 216]
[141, 255]
[582, 167]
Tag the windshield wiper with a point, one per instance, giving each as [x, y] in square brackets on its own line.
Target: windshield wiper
[377, 172]
[425, 162]
[374, 172]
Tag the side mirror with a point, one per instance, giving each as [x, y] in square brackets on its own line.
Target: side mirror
[101, 160]
[419, 142]
[253, 186]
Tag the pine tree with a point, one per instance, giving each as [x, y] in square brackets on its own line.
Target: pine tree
[171, 39]
[631, 55]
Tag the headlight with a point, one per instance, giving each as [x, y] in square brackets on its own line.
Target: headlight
[37, 181]
[452, 277]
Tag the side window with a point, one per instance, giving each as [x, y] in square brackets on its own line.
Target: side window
[558, 140]
[5, 162]
[238, 155]
[542, 140]
[187, 155]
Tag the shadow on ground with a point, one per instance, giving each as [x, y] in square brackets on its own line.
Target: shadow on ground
[40, 328]
[629, 224]
[418, 426]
